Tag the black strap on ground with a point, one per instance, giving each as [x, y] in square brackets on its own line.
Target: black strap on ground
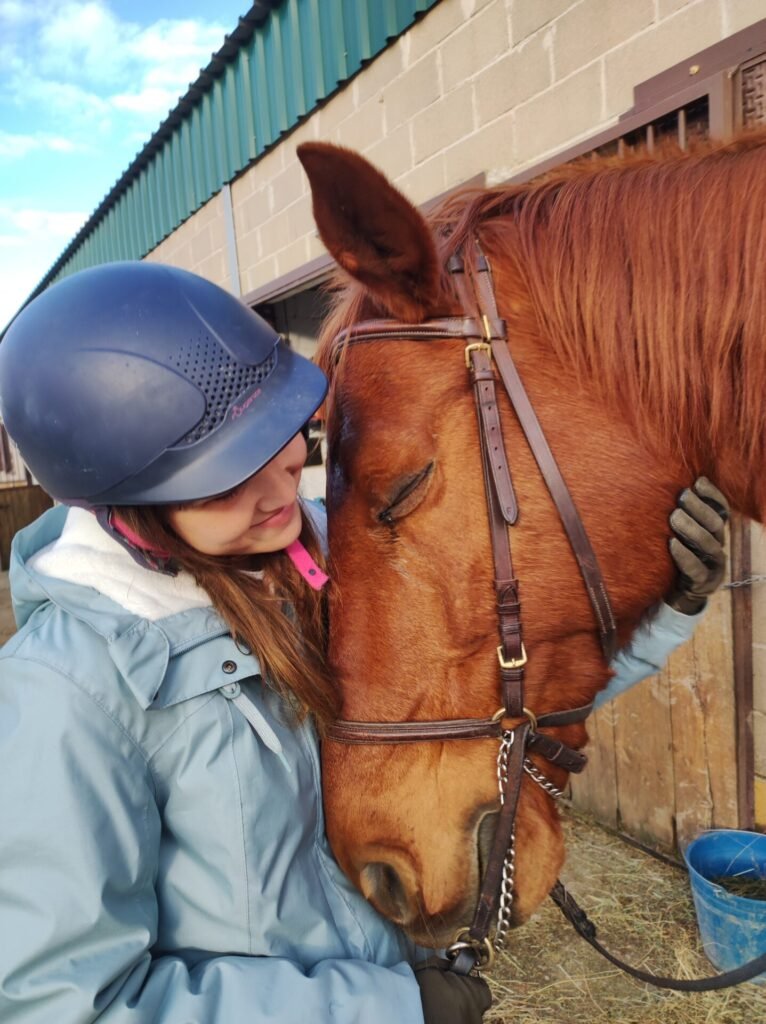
[585, 927]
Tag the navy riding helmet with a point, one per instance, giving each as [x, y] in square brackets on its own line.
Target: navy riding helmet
[138, 384]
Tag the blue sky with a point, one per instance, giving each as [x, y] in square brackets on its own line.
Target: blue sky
[83, 85]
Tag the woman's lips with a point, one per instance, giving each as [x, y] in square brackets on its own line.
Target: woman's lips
[279, 518]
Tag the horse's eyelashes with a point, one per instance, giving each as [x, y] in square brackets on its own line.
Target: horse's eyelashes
[408, 496]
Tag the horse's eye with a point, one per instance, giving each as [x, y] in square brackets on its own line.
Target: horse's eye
[408, 496]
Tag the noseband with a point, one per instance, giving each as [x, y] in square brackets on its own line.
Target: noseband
[514, 724]
[484, 335]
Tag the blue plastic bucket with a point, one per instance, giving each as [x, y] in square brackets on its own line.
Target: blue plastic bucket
[733, 928]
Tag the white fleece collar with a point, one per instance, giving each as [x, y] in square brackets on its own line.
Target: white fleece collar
[86, 555]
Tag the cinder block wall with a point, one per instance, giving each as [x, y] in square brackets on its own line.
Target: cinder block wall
[476, 85]
[491, 86]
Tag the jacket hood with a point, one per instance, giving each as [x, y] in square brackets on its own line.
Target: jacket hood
[67, 558]
[146, 620]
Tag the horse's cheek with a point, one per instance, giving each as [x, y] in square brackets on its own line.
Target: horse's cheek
[539, 854]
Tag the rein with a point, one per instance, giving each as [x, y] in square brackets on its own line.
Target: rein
[514, 724]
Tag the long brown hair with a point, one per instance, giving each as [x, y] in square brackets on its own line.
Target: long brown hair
[276, 615]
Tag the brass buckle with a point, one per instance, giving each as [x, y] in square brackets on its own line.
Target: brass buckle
[513, 662]
[477, 346]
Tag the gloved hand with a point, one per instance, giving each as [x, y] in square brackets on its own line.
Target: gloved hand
[697, 549]
[450, 998]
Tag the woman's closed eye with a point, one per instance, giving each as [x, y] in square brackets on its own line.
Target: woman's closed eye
[408, 495]
[216, 499]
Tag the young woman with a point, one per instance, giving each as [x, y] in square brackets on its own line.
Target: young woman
[163, 855]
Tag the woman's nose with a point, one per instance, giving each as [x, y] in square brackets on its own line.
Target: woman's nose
[277, 487]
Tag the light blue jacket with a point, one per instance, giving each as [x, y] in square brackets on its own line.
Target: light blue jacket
[163, 859]
[161, 862]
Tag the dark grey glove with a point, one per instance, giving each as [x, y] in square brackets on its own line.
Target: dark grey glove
[697, 549]
[450, 998]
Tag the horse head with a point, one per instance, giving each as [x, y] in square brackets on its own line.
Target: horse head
[636, 325]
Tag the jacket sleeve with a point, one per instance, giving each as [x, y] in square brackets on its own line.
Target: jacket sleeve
[650, 647]
[78, 861]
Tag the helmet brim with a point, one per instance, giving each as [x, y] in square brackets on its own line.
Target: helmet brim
[270, 417]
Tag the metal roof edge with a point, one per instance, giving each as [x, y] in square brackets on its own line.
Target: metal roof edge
[256, 17]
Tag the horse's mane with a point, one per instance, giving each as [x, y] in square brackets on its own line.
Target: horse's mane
[646, 275]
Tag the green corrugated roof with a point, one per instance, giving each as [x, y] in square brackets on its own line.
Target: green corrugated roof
[283, 59]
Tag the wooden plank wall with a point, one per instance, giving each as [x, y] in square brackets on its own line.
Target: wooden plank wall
[663, 757]
[18, 507]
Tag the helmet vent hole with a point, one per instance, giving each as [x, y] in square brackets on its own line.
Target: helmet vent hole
[221, 379]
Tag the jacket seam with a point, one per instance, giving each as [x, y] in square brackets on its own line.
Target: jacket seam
[242, 830]
[184, 720]
[102, 708]
[15, 651]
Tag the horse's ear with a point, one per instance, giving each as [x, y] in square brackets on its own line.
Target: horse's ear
[372, 231]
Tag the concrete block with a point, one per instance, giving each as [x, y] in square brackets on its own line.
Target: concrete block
[665, 8]
[530, 15]
[182, 257]
[287, 186]
[259, 274]
[249, 252]
[425, 181]
[559, 116]
[214, 268]
[341, 106]
[291, 257]
[416, 89]
[250, 213]
[440, 124]
[513, 79]
[590, 29]
[480, 41]
[393, 153]
[201, 244]
[377, 76]
[491, 149]
[739, 14]
[692, 29]
[273, 235]
[427, 33]
[300, 219]
[314, 246]
[363, 128]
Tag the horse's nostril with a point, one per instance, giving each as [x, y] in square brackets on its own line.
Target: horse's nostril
[383, 887]
[484, 836]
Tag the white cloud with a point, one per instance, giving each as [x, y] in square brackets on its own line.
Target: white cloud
[76, 75]
[83, 41]
[31, 239]
[149, 101]
[30, 221]
[78, 60]
[14, 145]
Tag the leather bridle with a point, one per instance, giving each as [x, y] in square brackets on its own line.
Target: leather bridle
[484, 335]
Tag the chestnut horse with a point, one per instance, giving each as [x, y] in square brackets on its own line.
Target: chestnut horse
[634, 294]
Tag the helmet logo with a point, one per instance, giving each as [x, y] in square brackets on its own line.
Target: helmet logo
[238, 410]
